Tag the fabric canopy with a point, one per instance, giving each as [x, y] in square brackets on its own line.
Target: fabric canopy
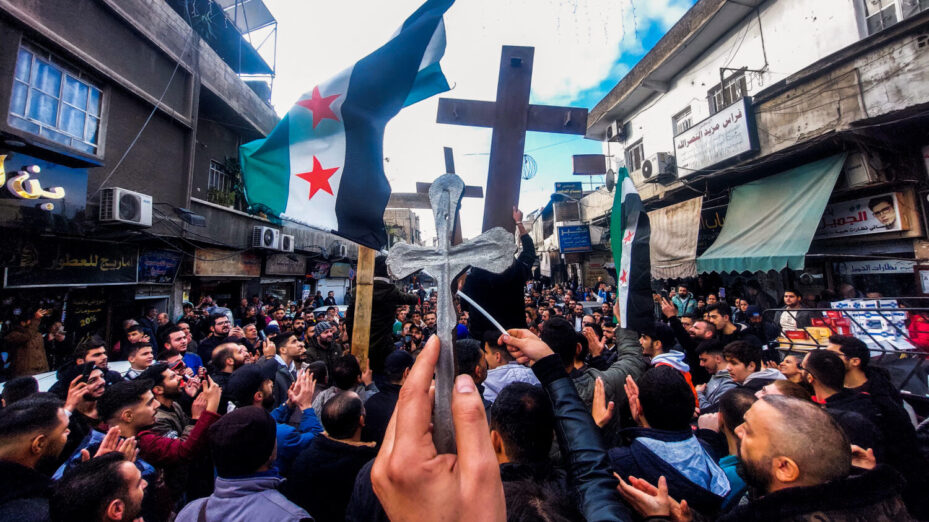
[673, 245]
[770, 222]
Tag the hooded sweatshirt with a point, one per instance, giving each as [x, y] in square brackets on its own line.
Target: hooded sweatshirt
[719, 383]
[675, 359]
[244, 499]
[759, 380]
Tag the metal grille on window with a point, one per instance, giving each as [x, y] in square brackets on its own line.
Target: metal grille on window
[220, 185]
[634, 156]
[53, 102]
[880, 14]
[683, 121]
[731, 90]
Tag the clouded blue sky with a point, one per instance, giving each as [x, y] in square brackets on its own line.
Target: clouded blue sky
[582, 49]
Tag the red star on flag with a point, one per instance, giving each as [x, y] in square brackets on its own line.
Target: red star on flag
[628, 238]
[319, 106]
[623, 278]
[318, 178]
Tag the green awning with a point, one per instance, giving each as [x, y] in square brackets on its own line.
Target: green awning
[770, 222]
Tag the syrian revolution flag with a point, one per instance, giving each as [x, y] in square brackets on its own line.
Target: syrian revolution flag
[322, 165]
[629, 233]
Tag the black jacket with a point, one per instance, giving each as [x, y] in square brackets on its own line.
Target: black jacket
[378, 409]
[323, 477]
[589, 471]
[500, 294]
[899, 437]
[24, 493]
[364, 505]
[873, 495]
[387, 297]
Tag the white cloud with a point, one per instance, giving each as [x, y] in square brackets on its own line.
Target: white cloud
[577, 46]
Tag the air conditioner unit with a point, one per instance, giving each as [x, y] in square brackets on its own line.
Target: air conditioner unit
[659, 168]
[616, 132]
[339, 250]
[287, 243]
[266, 237]
[861, 169]
[118, 205]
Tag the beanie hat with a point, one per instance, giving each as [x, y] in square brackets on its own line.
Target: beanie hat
[242, 441]
[322, 326]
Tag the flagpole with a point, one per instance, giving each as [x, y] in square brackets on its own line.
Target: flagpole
[364, 293]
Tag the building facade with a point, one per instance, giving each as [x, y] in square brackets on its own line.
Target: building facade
[119, 143]
[782, 141]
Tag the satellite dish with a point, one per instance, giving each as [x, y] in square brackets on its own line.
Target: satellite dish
[530, 167]
[610, 180]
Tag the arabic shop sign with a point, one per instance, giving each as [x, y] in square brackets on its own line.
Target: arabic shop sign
[57, 262]
[574, 238]
[285, 264]
[215, 262]
[858, 217]
[570, 188]
[158, 266]
[892, 266]
[725, 135]
[39, 193]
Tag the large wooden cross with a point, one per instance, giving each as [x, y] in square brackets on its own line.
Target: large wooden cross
[420, 198]
[510, 117]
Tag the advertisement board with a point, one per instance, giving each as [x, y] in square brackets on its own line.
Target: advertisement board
[858, 217]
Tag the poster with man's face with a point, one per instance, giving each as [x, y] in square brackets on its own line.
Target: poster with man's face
[869, 215]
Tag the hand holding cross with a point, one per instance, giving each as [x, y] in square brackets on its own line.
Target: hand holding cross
[492, 251]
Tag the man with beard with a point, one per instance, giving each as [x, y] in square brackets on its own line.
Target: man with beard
[33, 432]
[221, 330]
[252, 385]
[175, 338]
[131, 407]
[689, 337]
[798, 459]
[168, 388]
[105, 488]
[290, 352]
[87, 385]
[299, 328]
[323, 346]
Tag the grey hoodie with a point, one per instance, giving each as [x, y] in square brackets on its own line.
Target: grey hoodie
[245, 499]
[719, 383]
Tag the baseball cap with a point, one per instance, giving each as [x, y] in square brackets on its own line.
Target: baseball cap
[247, 380]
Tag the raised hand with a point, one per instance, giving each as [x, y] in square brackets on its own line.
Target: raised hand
[198, 406]
[524, 346]
[367, 375]
[668, 308]
[76, 391]
[409, 476]
[594, 344]
[602, 410]
[863, 458]
[632, 395]
[651, 501]
[301, 391]
[213, 392]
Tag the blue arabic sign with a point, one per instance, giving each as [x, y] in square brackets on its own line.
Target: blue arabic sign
[574, 238]
[158, 266]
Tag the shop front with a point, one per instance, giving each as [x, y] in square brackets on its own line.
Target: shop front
[283, 276]
[223, 275]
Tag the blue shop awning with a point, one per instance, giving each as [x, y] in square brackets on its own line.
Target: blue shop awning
[770, 222]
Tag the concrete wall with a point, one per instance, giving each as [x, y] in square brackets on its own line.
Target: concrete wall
[796, 33]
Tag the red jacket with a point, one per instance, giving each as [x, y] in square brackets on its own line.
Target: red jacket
[159, 450]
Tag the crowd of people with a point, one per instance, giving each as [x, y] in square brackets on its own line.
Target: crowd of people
[261, 412]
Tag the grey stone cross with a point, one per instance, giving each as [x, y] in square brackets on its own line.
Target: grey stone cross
[492, 251]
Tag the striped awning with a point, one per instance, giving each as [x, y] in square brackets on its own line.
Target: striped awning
[673, 244]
